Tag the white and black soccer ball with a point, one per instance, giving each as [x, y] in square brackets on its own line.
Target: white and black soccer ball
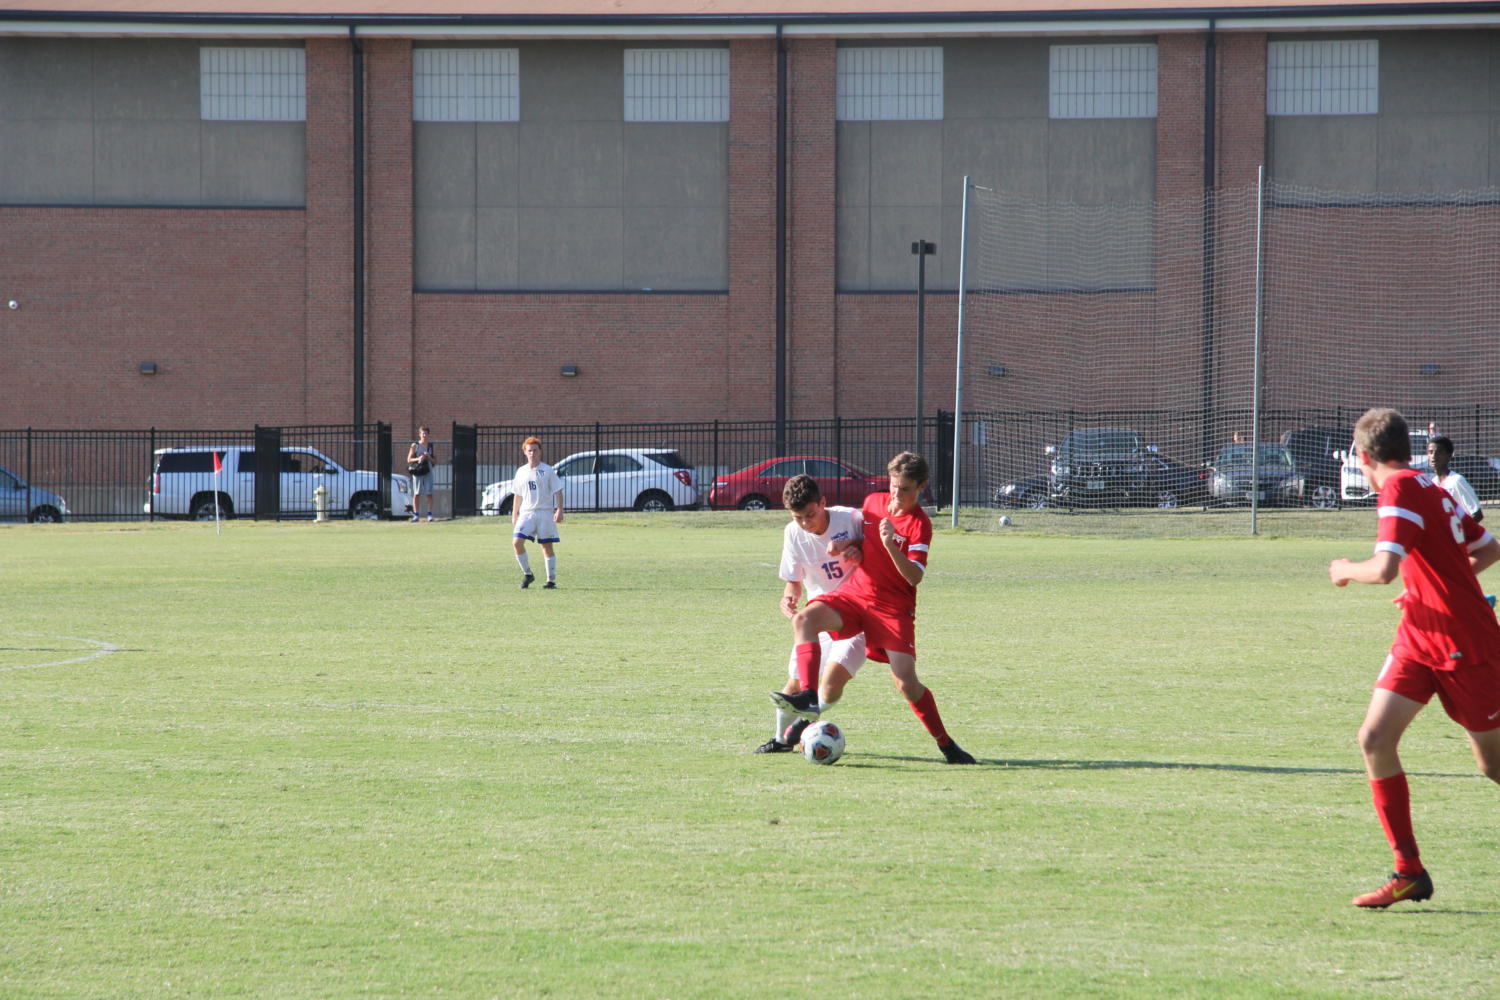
[823, 742]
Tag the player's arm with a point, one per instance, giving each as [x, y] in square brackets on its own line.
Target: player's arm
[1381, 568]
[1485, 555]
[1467, 498]
[791, 597]
[911, 572]
[848, 548]
[558, 514]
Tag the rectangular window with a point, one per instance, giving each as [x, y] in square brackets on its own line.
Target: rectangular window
[890, 84]
[1102, 81]
[252, 84]
[677, 85]
[1323, 78]
[466, 85]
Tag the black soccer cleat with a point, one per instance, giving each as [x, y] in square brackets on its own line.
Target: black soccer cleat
[773, 745]
[526, 581]
[803, 704]
[793, 734]
[956, 754]
[550, 585]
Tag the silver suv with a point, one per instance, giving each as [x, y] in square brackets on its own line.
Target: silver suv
[183, 484]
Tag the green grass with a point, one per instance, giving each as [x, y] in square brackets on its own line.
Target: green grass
[353, 760]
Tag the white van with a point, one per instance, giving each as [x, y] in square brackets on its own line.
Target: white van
[1353, 486]
[183, 484]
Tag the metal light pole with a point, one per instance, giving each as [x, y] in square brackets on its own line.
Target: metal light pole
[923, 250]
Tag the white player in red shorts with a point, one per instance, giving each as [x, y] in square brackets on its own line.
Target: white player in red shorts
[879, 600]
[1448, 642]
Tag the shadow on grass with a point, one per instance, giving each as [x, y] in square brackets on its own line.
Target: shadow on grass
[1133, 765]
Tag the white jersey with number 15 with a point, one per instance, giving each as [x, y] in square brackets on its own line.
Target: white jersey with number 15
[805, 558]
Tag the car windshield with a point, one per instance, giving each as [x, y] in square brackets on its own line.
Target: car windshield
[1101, 443]
[1271, 455]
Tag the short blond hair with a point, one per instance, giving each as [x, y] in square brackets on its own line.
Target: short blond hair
[1383, 433]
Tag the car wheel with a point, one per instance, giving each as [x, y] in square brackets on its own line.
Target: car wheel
[364, 507]
[1037, 500]
[204, 505]
[507, 503]
[755, 502]
[45, 515]
[1167, 500]
[1325, 498]
[653, 501]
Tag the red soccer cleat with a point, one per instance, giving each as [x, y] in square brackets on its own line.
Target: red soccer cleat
[1401, 888]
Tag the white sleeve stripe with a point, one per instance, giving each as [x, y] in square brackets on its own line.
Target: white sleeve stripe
[918, 548]
[1481, 541]
[1391, 547]
[1410, 515]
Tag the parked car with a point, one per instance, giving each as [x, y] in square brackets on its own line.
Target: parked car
[183, 484]
[1315, 452]
[1029, 492]
[1354, 488]
[18, 501]
[759, 486]
[650, 479]
[1234, 475]
[1172, 484]
[1099, 467]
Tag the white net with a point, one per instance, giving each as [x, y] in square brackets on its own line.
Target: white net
[1111, 363]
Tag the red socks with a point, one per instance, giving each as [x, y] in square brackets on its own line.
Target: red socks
[926, 709]
[1393, 806]
[809, 659]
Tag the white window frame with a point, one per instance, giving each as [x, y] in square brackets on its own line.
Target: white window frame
[1323, 77]
[890, 83]
[1102, 80]
[676, 85]
[465, 85]
[252, 83]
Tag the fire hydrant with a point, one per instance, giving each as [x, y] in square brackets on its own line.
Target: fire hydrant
[320, 501]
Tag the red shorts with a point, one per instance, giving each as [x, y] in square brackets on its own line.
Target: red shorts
[1470, 695]
[884, 628]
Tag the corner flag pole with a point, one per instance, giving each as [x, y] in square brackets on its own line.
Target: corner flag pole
[218, 468]
[958, 380]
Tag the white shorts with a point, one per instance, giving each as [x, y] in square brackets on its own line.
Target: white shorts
[849, 653]
[537, 526]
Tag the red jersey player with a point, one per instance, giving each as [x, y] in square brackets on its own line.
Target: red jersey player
[1448, 642]
[880, 600]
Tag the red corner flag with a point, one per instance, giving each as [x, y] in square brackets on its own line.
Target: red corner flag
[218, 465]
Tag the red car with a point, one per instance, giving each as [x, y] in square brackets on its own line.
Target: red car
[759, 486]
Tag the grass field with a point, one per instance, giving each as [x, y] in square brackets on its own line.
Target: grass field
[354, 760]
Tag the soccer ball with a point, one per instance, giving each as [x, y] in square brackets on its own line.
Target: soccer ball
[823, 742]
[1005, 520]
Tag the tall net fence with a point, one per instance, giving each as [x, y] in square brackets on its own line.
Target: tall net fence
[1197, 365]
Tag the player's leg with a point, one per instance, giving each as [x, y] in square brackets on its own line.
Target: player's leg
[1487, 753]
[1387, 718]
[817, 616]
[519, 545]
[844, 658]
[788, 726]
[549, 560]
[924, 705]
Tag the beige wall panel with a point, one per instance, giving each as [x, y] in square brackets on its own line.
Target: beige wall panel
[444, 257]
[150, 79]
[995, 78]
[853, 248]
[570, 248]
[496, 164]
[47, 162]
[570, 164]
[683, 164]
[906, 163]
[139, 162]
[852, 177]
[1330, 151]
[1433, 151]
[46, 78]
[893, 229]
[254, 163]
[1099, 160]
[670, 248]
[1008, 154]
[572, 82]
[499, 249]
[1438, 71]
[443, 164]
